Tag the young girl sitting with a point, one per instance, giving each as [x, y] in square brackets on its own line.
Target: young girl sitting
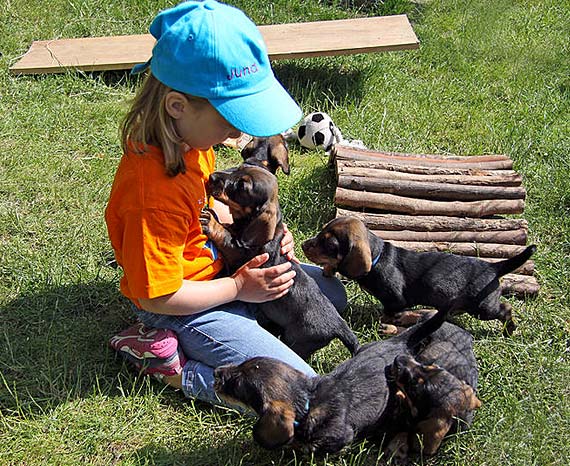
[209, 79]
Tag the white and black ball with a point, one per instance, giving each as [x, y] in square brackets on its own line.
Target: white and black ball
[317, 130]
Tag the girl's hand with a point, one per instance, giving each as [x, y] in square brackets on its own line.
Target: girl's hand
[287, 245]
[256, 285]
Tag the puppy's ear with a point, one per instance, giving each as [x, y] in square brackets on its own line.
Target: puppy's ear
[357, 260]
[275, 427]
[472, 402]
[279, 153]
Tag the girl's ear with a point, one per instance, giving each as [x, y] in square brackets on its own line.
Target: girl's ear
[176, 104]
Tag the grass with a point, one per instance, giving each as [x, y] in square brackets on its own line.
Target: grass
[489, 77]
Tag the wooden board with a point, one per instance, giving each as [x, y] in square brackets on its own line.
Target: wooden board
[284, 41]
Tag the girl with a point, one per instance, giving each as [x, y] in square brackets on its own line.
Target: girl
[209, 79]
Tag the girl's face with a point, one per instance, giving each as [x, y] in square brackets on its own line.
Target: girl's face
[197, 122]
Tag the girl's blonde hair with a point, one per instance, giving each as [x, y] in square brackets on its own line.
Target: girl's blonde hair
[148, 123]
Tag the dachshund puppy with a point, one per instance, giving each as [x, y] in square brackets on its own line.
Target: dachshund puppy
[401, 278]
[320, 414]
[435, 398]
[270, 153]
[304, 318]
[428, 391]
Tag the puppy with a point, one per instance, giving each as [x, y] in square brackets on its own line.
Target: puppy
[320, 414]
[434, 392]
[435, 398]
[304, 318]
[270, 153]
[400, 278]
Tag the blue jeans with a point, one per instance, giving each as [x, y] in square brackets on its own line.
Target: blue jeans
[229, 334]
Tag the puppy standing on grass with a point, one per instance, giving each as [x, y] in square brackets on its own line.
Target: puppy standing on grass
[401, 278]
[304, 317]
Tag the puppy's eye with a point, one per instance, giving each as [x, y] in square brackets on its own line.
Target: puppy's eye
[244, 183]
[331, 244]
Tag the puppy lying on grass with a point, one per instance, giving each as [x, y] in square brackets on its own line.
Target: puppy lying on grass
[433, 393]
[305, 318]
[435, 399]
[400, 278]
[321, 414]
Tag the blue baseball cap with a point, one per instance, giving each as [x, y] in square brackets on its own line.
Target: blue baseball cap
[212, 50]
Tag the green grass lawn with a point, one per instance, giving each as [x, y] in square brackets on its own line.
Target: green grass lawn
[491, 76]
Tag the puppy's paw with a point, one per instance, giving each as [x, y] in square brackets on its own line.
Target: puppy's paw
[409, 318]
[387, 329]
[207, 221]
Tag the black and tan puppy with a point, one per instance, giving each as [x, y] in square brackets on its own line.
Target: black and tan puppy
[436, 400]
[320, 414]
[433, 393]
[401, 278]
[270, 153]
[305, 318]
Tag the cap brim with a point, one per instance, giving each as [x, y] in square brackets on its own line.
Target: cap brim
[262, 114]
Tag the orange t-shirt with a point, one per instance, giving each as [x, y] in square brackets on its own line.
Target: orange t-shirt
[153, 223]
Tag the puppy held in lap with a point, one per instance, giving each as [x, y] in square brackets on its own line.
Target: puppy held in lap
[304, 318]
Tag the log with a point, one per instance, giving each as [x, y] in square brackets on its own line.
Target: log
[520, 286]
[433, 223]
[391, 202]
[429, 190]
[339, 149]
[419, 162]
[526, 269]
[447, 170]
[489, 178]
[463, 249]
[485, 162]
[504, 237]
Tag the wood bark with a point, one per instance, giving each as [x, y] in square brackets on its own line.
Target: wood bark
[480, 162]
[430, 190]
[503, 237]
[464, 249]
[526, 269]
[464, 177]
[391, 202]
[444, 170]
[433, 222]
[520, 286]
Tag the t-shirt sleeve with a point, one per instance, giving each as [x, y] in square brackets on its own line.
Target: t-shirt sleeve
[153, 246]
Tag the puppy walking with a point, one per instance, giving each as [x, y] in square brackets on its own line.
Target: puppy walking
[401, 278]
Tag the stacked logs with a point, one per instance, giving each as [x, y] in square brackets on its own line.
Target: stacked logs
[438, 203]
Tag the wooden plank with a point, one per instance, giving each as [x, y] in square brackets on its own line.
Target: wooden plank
[284, 41]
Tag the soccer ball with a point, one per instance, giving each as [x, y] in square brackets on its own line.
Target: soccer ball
[318, 130]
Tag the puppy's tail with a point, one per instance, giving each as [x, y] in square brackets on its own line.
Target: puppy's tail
[515, 262]
[425, 328]
[349, 339]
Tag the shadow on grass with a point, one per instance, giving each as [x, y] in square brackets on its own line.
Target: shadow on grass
[54, 344]
[234, 451]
